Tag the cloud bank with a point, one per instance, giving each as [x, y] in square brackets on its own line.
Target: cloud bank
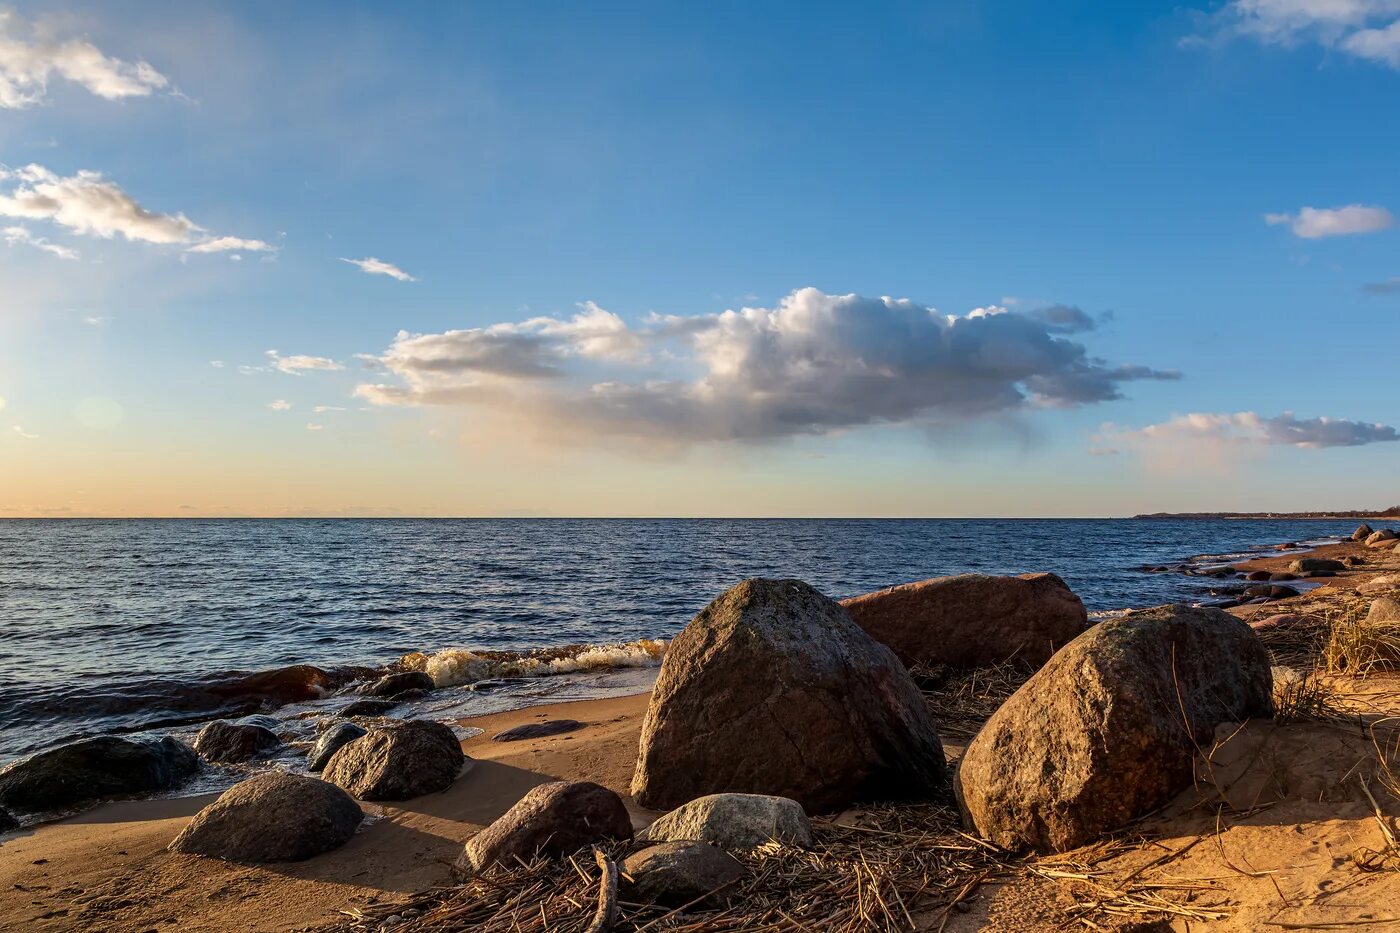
[87, 204]
[814, 364]
[1313, 223]
[1364, 29]
[26, 67]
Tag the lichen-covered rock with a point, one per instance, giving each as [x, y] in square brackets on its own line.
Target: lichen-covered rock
[398, 762]
[330, 742]
[1107, 730]
[972, 620]
[231, 742]
[676, 873]
[392, 685]
[93, 769]
[734, 821]
[772, 689]
[552, 820]
[274, 817]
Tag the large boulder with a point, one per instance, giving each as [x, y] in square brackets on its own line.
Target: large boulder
[1380, 537]
[232, 742]
[1316, 565]
[93, 769]
[772, 689]
[331, 741]
[972, 620]
[734, 821]
[1107, 730]
[413, 758]
[678, 873]
[1362, 532]
[7, 821]
[1385, 610]
[1380, 584]
[274, 817]
[552, 819]
[392, 685]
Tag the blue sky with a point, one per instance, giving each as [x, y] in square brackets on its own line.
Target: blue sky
[516, 162]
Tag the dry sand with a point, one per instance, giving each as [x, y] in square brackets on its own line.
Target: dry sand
[1273, 832]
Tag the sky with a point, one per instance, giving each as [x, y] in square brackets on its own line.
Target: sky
[955, 259]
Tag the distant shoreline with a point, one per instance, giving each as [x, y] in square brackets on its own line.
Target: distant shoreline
[1386, 515]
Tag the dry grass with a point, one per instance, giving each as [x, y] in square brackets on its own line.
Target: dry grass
[1304, 696]
[1358, 647]
[960, 702]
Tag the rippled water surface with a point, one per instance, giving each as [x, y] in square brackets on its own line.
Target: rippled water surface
[110, 625]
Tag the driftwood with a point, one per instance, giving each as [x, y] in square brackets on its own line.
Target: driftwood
[606, 914]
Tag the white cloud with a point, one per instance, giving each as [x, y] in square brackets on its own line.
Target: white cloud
[229, 244]
[1312, 223]
[380, 267]
[280, 404]
[217, 364]
[815, 364]
[90, 205]
[25, 434]
[1365, 29]
[16, 236]
[314, 427]
[320, 409]
[297, 364]
[97, 320]
[26, 67]
[1214, 442]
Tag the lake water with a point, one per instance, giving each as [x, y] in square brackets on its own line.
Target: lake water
[119, 626]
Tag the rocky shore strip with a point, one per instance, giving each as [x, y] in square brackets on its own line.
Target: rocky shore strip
[803, 763]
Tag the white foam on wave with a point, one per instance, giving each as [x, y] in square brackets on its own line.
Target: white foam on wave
[455, 666]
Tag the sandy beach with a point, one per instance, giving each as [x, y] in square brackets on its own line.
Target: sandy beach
[1270, 830]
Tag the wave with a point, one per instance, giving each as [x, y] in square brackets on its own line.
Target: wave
[455, 666]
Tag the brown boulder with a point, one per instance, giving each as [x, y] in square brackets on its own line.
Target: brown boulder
[972, 620]
[230, 742]
[552, 820]
[274, 817]
[1107, 730]
[772, 689]
[1384, 610]
[677, 873]
[398, 762]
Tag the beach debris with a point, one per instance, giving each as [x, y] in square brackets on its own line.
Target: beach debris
[330, 742]
[772, 689]
[1316, 566]
[368, 708]
[972, 620]
[552, 819]
[537, 730]
[680, 873]
[93, 769]
[274, 817]
[606, 913]
[398, 762]
[230, 743]
[734, 821]
[392, 685]
[1107, 730]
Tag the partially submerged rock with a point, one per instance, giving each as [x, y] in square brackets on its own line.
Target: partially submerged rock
[367, 708]
[330, 742]
[1316, 566]
[772, 689]
[537, 730]
[552, 820]
[398, 762]
[734, 821]
[231, 743]
[274, 817]
[93, 769]
[1108, 729]
[677, 873]
[392, 685]
[972, 620]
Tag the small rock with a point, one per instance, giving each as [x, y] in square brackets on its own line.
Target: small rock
[1281, 577]
[1257, 575]
[734, 821]
[1380, 584]
[1283, 620]
[368, 708]
[274, 817]
[226, 742]
[1316, 565]
[537, 730]
[676, 873]
[95, 768]
[391, 685]
[330, 742]
[1384, 609]
[552, 819]
[398, 762]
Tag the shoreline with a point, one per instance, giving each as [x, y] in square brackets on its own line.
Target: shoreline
[107, 867]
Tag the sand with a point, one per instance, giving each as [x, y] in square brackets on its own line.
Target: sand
[1271, 831]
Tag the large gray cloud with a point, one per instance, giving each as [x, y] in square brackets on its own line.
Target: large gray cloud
[815, 364]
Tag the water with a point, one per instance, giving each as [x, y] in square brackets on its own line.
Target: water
[127, 625]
